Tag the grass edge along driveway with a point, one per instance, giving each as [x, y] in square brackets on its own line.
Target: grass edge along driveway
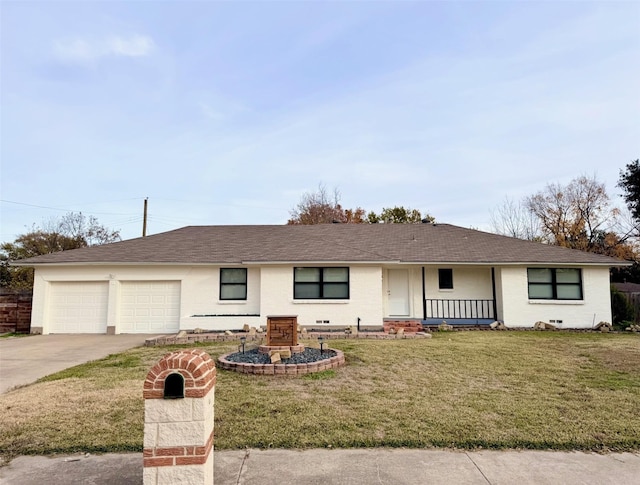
[536, 390]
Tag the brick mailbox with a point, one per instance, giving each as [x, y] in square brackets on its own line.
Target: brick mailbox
[178, 419]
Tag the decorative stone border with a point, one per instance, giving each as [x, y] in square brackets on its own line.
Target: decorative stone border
[295, 349]
[259, 338]
[283, 369]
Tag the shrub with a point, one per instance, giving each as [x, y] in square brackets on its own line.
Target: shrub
[621, 309]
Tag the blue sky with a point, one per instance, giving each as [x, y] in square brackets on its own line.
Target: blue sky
[227, 112]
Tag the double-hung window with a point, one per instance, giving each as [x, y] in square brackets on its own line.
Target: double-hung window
[555, 283]
[233, 283]
[321, 283]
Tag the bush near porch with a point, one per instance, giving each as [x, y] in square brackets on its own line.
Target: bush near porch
[539, 390]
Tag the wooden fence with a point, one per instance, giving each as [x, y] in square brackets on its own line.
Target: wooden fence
[15, 311]
[634, 299]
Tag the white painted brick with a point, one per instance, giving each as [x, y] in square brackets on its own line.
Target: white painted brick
[209, 411]
[365, 298]
[150, 435]
[186, 475]
[208, 470]
[519, 311]
[150, 476]
[168, 410]
[203, 404]
[182, 434]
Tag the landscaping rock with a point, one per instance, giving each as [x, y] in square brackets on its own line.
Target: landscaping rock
[199, 330]
[228, 332]
[246, 327]
[309, 356]
[400, 333]
[253, 331]
[275, 357]
[444, 326]
[181, 334]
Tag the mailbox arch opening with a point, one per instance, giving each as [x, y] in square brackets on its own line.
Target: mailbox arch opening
[174, 386]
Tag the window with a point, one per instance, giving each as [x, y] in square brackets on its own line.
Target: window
[445, 279]
[233, 283]
[321, 283]
[555, 283]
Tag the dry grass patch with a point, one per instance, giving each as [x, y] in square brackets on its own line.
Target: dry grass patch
[544, 390]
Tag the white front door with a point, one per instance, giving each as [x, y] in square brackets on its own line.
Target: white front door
[398, 292]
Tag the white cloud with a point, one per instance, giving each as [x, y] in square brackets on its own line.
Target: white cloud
[135, 46]
[84, 50]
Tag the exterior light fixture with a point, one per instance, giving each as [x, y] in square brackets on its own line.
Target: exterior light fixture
[321, 342]
[243, 340]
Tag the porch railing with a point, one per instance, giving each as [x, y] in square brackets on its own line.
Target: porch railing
[454, 309]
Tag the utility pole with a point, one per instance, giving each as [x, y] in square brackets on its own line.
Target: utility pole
[144, 218]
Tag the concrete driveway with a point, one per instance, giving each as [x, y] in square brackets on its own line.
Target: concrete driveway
[25, 359]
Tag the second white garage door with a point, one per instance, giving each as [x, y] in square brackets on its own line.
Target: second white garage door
[150, 306]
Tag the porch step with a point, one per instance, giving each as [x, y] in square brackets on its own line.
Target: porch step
[409, 326]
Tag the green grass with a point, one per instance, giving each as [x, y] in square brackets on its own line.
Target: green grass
[13, 334]
[538, 390]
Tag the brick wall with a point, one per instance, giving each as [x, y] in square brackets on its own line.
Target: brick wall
[409, 326]
[15, 311]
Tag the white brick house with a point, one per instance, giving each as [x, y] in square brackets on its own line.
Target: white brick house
[221, 277]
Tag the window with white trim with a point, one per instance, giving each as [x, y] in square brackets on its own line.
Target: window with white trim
[554, 283]
[233, 283]
[321, 283]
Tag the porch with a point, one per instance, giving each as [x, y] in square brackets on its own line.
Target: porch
[459, 311]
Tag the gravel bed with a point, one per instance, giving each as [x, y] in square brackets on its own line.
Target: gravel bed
[306, 357]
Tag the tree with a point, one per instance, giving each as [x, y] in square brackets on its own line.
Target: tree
[71, 231]
[399, 215]
[322, 208]
[514, 219]
[85, 229]
[630, 183]
[578, 215]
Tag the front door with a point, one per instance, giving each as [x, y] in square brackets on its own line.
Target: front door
[398, 293]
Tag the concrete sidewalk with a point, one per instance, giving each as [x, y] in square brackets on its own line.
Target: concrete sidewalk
[352, 467]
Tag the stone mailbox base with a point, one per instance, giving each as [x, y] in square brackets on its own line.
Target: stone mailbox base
[178, 421]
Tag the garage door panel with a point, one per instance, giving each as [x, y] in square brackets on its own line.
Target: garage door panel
[150, 307]
[78, 307]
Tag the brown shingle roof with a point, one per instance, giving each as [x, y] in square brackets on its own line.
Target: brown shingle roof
[411, 243]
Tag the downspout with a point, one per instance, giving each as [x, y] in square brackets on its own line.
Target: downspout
[493, 288]
[424, 297]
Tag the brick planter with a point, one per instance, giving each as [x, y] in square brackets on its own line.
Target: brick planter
[283, 369]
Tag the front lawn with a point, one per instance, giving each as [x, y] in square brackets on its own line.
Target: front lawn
[543, 390]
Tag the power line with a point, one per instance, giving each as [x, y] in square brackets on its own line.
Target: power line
[63, 210]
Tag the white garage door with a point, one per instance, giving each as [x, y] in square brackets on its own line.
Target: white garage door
[149, 306]
[78, 307]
